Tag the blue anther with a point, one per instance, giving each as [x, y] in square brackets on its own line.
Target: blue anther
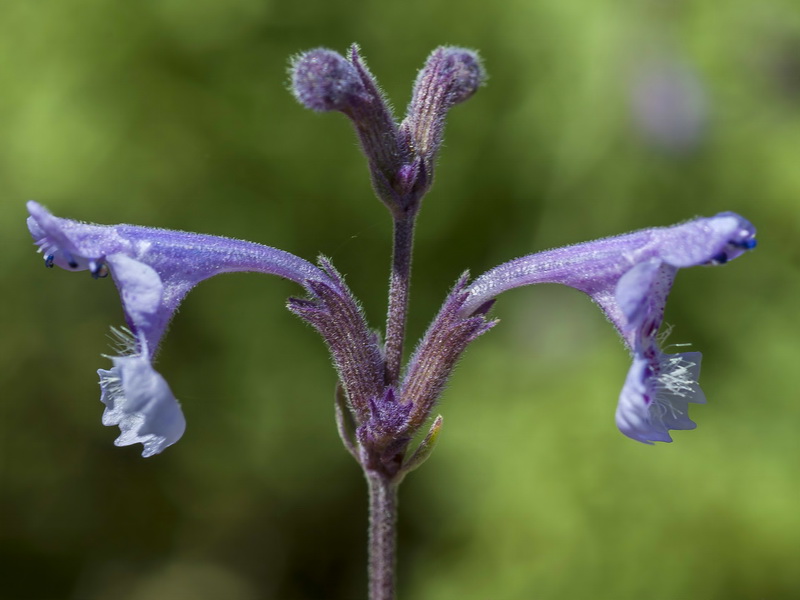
[48, 261]
[747, 244]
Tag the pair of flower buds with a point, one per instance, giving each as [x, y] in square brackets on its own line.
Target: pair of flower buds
[628, 277]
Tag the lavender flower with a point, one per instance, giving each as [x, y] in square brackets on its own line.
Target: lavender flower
[154, 269]
[381, 406]
[629, 278]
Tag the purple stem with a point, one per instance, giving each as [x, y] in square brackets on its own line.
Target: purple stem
[382, 536]
[399, 284]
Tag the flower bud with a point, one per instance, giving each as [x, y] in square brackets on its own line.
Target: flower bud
[464, 70]
[324, 80]
[450, 76]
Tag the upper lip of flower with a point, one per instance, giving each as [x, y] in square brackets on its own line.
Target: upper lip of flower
[68, 244]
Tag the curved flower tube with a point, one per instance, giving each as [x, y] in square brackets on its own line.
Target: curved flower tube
[629, 278]
[153, 269]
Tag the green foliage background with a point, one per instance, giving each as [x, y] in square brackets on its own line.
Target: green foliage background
[175, 113]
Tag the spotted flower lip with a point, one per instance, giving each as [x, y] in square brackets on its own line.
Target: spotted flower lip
[656, 396]
[153, 270]
[629, 277]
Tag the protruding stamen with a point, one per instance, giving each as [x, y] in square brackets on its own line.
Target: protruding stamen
[48, 261]
[71, 262]
[98, 269]
[719, 259]
[124, 342]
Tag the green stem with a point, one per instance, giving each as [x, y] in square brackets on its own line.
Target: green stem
[399, 284]
[382, 536]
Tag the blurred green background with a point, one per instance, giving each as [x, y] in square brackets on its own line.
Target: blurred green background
[599, 117]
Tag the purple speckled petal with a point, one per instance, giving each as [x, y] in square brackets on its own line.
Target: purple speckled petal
[656, 396]
[629, 277]
[142, 293]
[153, 269]
[633, 289]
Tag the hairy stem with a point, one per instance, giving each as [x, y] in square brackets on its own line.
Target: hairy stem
[382, 536]
[399, 283]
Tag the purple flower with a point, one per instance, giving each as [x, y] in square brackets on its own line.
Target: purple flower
[629, 278]
[153, 269]
[381, 405]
